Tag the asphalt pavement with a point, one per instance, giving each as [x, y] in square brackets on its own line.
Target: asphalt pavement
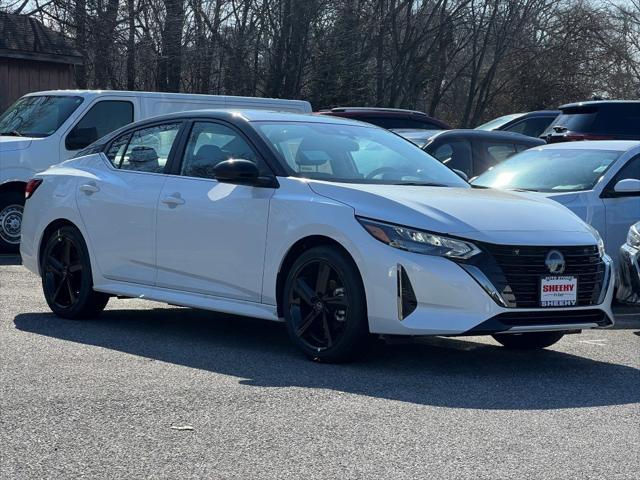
[154, 391]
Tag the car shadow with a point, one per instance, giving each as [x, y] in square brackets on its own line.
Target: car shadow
[447, 372]
[10, 260]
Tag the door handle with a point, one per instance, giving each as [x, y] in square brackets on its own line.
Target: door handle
[89, 188]
[173, 200]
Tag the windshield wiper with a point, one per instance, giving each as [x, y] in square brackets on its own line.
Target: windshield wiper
[421, 184]
[525, 190]
[12, 133]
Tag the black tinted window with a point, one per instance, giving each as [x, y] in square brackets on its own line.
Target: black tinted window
[116, 150]
[455, 155]
[102, 118]
[630, 170]
[149, 148]
[618, 119]
[532, 127]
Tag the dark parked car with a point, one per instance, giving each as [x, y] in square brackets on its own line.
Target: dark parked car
[531, 124]
[470, 151]
[597, 120]
[388, 117]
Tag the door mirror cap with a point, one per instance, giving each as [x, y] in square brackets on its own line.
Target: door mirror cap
[627, 186]
[238, 171]
[461, 174]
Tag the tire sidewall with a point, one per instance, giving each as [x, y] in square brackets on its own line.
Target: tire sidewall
[7, 198]
[357, 327]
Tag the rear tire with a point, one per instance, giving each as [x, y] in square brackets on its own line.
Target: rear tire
[67, 280]
[528, 341]
[324, 306]
[11, 209]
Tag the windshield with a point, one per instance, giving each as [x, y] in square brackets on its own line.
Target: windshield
[356, 154]
[498, 122]
[37, 116]
[549, 170]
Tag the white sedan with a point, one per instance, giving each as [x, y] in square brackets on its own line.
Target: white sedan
[339, 228]
[598, 180]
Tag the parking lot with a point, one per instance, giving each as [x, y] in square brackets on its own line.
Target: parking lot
[154, 391]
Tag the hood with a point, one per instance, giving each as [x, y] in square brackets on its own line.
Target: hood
[495, 216]
[9, 144]
[565, 198]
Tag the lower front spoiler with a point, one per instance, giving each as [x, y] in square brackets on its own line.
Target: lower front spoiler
[538, 321]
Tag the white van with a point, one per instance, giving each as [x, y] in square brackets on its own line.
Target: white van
[44, 128]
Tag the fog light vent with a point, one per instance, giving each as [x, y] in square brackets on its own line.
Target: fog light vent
[407, 302]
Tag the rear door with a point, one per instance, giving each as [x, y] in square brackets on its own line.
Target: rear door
[211, 236]
[621, 210]
[117, 202]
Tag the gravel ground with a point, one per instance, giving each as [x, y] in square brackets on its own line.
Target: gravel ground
[153, 391]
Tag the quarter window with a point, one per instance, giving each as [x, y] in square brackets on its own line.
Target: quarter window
[212, 143]
[102, 118]
[148, 149]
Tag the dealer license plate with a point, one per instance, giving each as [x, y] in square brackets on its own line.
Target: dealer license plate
[558, 291]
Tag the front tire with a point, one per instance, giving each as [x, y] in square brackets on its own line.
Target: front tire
[67, 280]
[324, 306]
[11, 210]
[528, 341]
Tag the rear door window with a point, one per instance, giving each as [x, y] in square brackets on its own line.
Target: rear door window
[147, 150]
[454, 154]
[532, 127]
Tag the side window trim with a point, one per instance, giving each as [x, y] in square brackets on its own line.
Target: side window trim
[88, 110]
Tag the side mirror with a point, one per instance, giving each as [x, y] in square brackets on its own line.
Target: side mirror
[461, 174]
[627, 186]
[240, 172]
[80, 138]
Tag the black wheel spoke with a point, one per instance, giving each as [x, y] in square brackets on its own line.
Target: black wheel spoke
[336, 301]
[72, 293]
[306, 293]
[327, 331]
[76, 267]
[66, 252]
[323, 278]
[55, 266]
[58, 289]
[307, 323]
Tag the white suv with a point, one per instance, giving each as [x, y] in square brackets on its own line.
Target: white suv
[339, 228]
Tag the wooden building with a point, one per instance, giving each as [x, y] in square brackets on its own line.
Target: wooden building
[32, 58]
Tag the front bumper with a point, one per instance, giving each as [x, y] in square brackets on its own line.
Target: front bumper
[629, 275]
[450, 302]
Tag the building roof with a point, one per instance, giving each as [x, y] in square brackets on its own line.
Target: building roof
[25, 37]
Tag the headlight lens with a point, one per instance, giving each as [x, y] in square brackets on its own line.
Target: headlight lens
[419, 241]
[633, 238]
[599, 240]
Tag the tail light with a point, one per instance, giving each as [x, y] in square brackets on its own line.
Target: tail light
[32, 186]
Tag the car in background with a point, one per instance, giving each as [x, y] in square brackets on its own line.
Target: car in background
[470, 151]
[629, 268]
[531, 124]
[596, 120]
[338, 228]
[598, 181]
[388, 117]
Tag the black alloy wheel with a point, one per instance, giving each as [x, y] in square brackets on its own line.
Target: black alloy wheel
[324, 305]
[66, 276]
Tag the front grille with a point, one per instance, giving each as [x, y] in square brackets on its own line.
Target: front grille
[516, 272]
[570, 317]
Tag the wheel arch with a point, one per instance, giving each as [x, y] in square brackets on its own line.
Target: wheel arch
[13, 185]
[296, 250]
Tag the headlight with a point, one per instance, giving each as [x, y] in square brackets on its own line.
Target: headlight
[633, 238]
[599, 240]
[419, 241]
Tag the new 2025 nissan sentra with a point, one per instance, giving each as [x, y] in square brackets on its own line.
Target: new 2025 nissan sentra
[340, 228]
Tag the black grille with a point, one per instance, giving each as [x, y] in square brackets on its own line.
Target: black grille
[570, 317]
[516, 272]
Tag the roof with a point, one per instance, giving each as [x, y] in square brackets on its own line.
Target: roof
[615, 145]
[463, 133]
[373, 110]
[264, 116]
[596, 103]
[25, 37]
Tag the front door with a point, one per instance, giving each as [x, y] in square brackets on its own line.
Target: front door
[118, 202]
[211, 236]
